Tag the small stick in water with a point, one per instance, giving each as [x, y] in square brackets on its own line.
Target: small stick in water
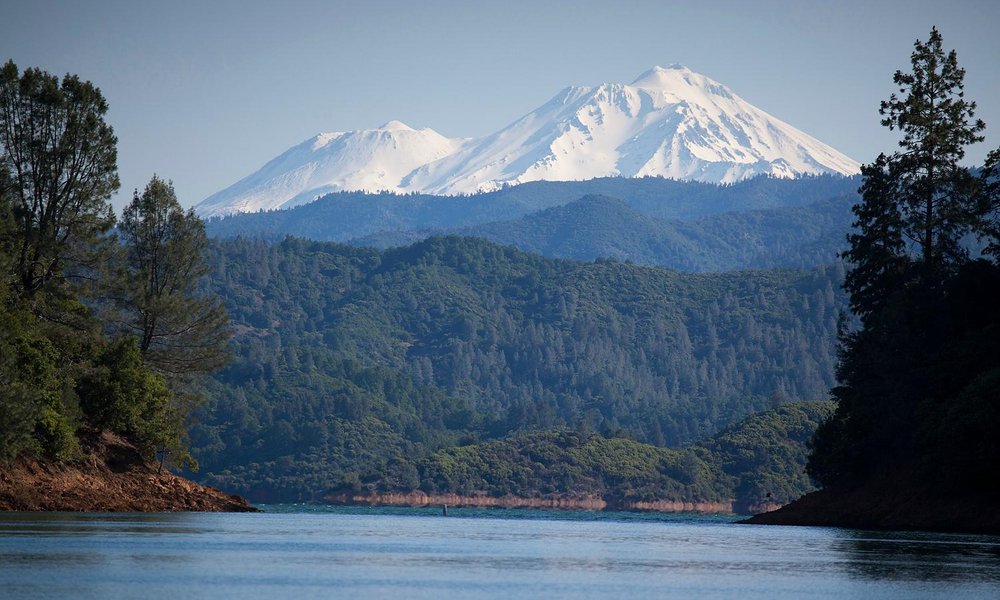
[445, 509]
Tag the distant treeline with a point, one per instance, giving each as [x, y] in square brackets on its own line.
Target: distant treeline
[345, 216]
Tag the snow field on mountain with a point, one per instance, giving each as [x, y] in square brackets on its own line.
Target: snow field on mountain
[669, 122]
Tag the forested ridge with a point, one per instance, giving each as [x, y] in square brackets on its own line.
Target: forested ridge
[687, 226]
[598, 226]
[759, 460]
[344, 216]
[347, 357]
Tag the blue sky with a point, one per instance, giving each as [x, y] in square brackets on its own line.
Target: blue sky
[204, 93]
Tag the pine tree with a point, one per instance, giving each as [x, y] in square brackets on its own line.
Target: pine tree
[932, 192]
[179, 330]
[881, 265]
[909, 268]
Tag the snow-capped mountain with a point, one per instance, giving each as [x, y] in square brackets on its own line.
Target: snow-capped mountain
[670, 122]
[368, 159]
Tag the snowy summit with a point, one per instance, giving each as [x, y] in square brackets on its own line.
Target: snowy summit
[669, 122]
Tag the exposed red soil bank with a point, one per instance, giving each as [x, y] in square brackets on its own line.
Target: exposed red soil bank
[484, 501]
[111, 477]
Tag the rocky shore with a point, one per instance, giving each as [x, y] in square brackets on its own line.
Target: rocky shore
[110, 477]
[558, 502]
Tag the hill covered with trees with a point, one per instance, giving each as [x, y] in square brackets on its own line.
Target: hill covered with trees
[598, 226]
[346, 358]
[345, 216]
[757, 462]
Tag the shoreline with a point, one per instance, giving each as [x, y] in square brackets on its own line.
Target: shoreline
[887, 509]
[594, 503]
[110, 476]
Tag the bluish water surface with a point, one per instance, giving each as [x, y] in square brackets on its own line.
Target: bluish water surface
[308, 552]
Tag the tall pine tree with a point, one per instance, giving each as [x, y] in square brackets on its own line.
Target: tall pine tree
[179, 331]
[919, 295]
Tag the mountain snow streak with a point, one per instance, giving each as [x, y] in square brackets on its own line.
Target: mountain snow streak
[670, 122]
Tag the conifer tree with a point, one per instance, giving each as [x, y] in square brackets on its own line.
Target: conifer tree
[921, 197]
[179, 330]
[909, 282]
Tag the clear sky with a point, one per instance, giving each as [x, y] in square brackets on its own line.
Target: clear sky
[204, 93]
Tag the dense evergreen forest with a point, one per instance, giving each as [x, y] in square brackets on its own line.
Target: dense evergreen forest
[347, 357]
[598, 226]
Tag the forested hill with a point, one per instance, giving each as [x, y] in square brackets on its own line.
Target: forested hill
[759, 461]
[598, 226]
[349, 215]
[346, 357]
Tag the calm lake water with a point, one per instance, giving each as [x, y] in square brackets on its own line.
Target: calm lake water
[304, 552]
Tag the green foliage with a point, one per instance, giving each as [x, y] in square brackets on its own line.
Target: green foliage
[337, 452]
[767, 452]
[39, 408]
[120, 394]
[568, 464]
[19, 411]
[459, 338]
[761, 459]
[57, 434]
[178, 331]
[930, 330]
[60, 378]
[60, 159]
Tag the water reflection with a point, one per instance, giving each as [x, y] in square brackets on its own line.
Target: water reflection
[91, 524]
[413, 554]
[926, 557]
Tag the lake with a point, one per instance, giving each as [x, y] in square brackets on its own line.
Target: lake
[322, 552]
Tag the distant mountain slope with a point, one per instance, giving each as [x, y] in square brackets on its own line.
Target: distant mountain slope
[594, 227]
[670, 122]
[346, 216]
[597, 226]
[368, 159]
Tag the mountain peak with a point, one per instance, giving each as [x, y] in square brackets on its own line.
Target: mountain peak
[673, 79]
[395, 125]
[657, 69]
[670, 122]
